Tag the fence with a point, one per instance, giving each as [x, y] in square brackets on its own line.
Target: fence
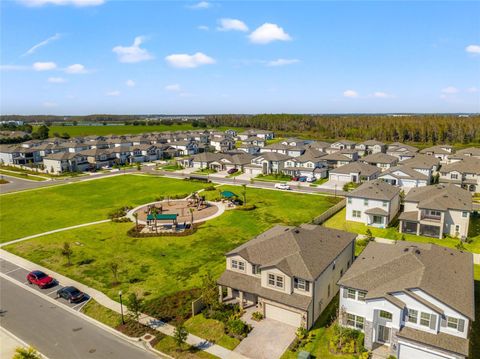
[197, 306]
[330, 212]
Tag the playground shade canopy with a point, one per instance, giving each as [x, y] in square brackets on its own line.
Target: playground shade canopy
[228, 194]
[171, 217]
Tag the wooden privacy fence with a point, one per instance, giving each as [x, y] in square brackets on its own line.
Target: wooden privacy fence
[330, 212]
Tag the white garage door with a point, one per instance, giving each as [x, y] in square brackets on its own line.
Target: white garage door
[283, 315]
[408, 352]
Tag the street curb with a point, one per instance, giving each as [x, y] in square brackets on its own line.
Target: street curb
[21, 341]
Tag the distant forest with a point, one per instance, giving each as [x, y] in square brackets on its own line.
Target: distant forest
[440, 128]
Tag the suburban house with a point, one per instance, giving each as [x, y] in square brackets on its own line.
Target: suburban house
[412, 300]
[465, 153]
[428, 165]
[185, 147]
[435, 211]
[292, 141]
[354, 172]
[404, 176]
[267, 135]
[401, 150]
[222, 143]
[309, 164]
[60, 162]
[99, 158]
[441, 152]
[341, 145]
[289, 273]
[319, 146]
[250, 149]
[370, 147]
[374, 204]
[464, 173]
[381, 160]
[270, 162]
[255, 141]
[341, 158]
[19, 155]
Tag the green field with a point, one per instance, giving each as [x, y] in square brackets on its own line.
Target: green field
[75, 131]
[23, 175]
[154, 266]
[32, 212]
[338, 221]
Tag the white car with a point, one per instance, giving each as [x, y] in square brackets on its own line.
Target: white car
[282, 186]
[311, 179]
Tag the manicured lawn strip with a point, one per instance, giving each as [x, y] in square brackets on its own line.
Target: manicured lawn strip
[212, 330]
[168, 346]
[205, 171]
[39, 211]
[156, 266]
[23, 175]
[102, 314]
[338, 221]
[323, 331]
[273, 178]
[238, 173]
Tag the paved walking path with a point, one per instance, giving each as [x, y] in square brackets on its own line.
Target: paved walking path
[54, 231]
[102, 299]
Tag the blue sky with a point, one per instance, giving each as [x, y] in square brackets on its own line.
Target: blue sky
[173, 57]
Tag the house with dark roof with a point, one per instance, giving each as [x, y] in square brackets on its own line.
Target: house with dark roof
[437, 210]
[370, 147]
[381, 160]
[310, 164]
[405, 177]
[412, 300]
[441, 152]
[289, 273]
[374, 203]
[464, 173]
[355, 172]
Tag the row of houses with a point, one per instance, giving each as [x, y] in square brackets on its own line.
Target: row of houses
[416, 301]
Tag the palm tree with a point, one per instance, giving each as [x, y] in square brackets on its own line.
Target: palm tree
[154, 212]
[136, 220]
[244, 194]
[191, 215]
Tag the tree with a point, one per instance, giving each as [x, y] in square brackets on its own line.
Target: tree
[154, 213]
[244, 194]
[209, 291]
[139, 166]
[136, 220]
[135, 305]
[180, 335]
[41, 133]
[26, 353]
[114, 269]
[369, 235]
[191, 215]
[67, 252]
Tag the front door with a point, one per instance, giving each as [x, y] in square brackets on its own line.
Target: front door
[383, 334]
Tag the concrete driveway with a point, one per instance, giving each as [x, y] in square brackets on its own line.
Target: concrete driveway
[268, 339]
[331, 185]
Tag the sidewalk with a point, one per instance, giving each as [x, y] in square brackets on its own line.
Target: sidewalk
[102, 299]
[10, 343]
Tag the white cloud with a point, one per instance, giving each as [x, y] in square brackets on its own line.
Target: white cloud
[134, 53]
[472, 89]
[282, 62]
[473, 49]
[49, 104]
[77, 3]
[350, 93]
[173, 88]
[76, 69]
[41, 44]
[450, 90]
[130, 83]
[232, 25]
[267, 33]
[189, 61]
[56, 80]
[203, 27]
[200, 5]
[113, 93]
[44, 66]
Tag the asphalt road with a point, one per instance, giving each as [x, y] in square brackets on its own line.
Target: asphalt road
[54, 331]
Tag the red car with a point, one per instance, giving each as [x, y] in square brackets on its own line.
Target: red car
[39, 278]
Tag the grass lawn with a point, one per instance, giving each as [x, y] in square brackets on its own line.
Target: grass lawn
[205, 171]
[23, 175]
[156, 266]
[168, 346]
[32, 212]
[212, 330]
[102, 314]
[273, 178]
[238, 173]
[338, 221]
[171, 168]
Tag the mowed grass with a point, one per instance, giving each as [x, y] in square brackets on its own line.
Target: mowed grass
[27, 213]
[80, 130]
[338, 221]
[164, 265]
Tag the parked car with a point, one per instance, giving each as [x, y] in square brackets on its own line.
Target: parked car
[39, 278]
[302, 179]
[311, 179]
[72, 294]
[282, 186]
[232, 171]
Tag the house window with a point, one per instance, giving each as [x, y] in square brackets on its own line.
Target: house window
[356, 214]
[385, 315]
[452, 323]
[365, 202]
[454, 176]
[457, 228]
[355, 321]
[275, 280]
[361, 295]
[256, 269]
[412, 316]
[301, 284]
[464, 214]
[425, 319]
[435, 213]
[384, 203]
[238, 265]
[351, 293]
[349, 200]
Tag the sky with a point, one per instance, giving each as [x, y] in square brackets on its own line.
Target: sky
[76, 57]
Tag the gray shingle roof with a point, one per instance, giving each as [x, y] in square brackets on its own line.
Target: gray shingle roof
[380, 158]
[441, 197]
[364, 169]
[377, 189]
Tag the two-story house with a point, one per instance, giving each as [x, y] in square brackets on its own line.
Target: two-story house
[464, 173]
[370, 147]
[288, 273]
[435, 211]
[355, 172]
[60, 162]
[268, 163]
[404, 176]
[401, 150]
[374, 203]
[341, 145]
[381, 160]
[265, 134]
[309, 164]
[413, 301]
[428, 165]
[441, 152]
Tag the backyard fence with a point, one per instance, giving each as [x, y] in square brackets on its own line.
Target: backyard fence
[330, 212]
[197, 306]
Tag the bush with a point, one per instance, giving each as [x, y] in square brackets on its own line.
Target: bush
[248, 207]
[301, 333]
[237, 327]
[257, 316]
[346, 341]
[172, 308]
[119, 212]
[210, 188]
[86, 261]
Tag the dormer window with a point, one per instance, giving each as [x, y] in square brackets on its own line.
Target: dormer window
[275, 281]
[301, 284]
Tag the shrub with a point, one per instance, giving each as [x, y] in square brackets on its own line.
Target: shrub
[210, 188]
[257, 316]
[248, 207]
[172, 308]
[346, 341]
[237, 328]
[119, 212]
[301, 333]
[86, 261]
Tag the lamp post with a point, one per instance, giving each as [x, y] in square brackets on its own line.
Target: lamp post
[121, 305]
